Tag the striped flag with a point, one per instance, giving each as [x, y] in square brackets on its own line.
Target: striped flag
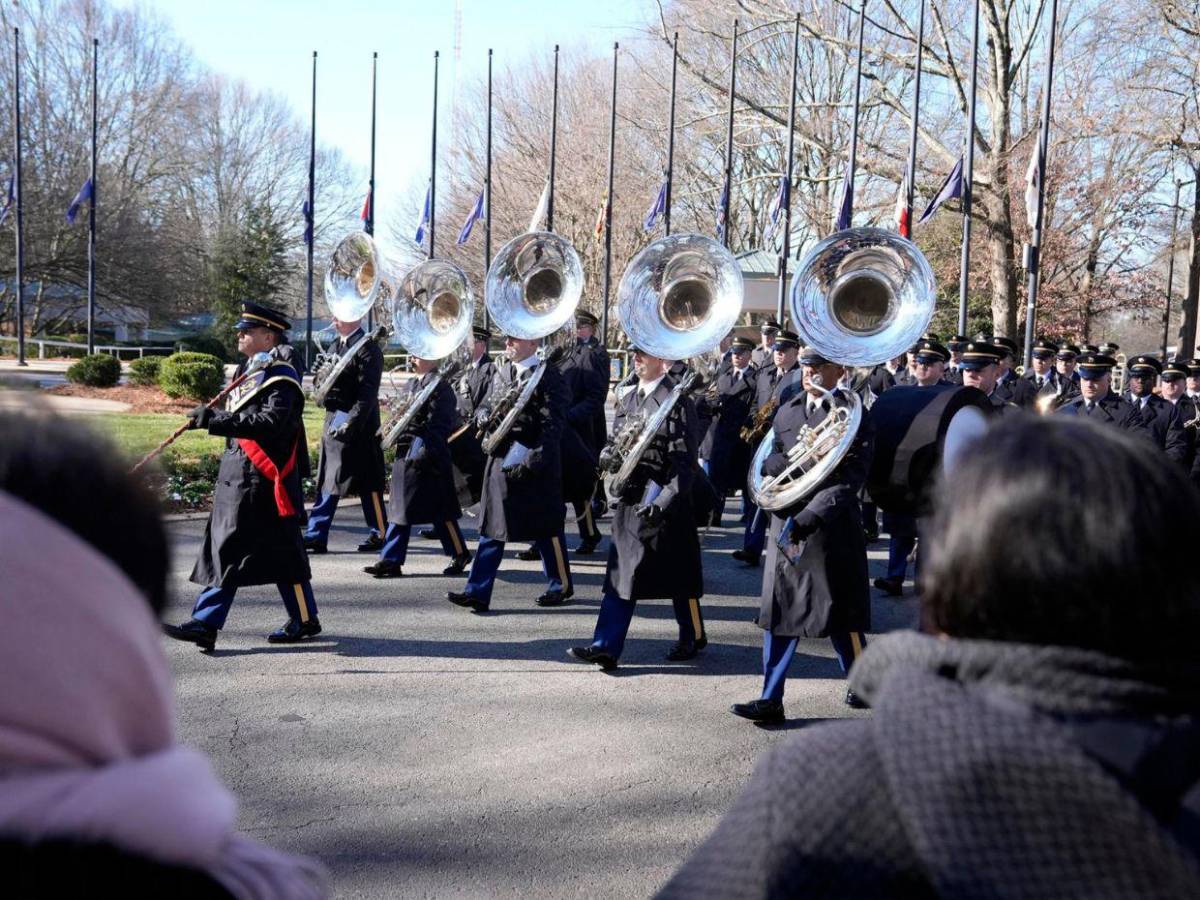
[368, 202]
[1033, 181]
[475, 215]
[903, 221]
[602, 217]
[425, 212]
[775, 211]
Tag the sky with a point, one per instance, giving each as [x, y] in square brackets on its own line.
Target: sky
[269, 44]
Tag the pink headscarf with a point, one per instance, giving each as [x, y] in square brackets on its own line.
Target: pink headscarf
[87, 736]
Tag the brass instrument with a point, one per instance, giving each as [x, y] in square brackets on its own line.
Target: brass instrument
[352, 283]
[760, 422]
[861, 296]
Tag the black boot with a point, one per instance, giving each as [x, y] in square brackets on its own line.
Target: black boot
[759, 710]
[605, 661]
[529, 554]
[384, 569]
[193, 632]
[293, 631]
[373, 544]
[458, 565]
[683, 650]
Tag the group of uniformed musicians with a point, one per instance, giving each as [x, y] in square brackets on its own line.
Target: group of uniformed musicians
[815, 581]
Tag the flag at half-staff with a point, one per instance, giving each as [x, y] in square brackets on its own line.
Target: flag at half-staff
[422, 225]
[658, 207]
[951, 189]
[474, 216]
[85, 194]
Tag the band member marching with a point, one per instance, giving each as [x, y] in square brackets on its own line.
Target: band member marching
[724, 455]
[422, 477]
[351, 460]
[815, 582]
[253, 532]
[472, 386]
[522, 490]
[655, 550]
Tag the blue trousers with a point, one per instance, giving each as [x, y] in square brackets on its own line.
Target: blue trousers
[487, 563]
[395, 542]
[616, 615]
[778, 651]
[755, 538]
[902, 537]
[212, 606]
[320, 518]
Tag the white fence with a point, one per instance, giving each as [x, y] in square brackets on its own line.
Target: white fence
[113, 349]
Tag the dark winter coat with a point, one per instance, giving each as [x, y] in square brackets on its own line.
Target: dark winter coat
[587, 389]
[1110, 410]
[727, 454]
[824, 589]
[527, 507]
[246, 541]
[353, 464]
[660, 560]
[1165, 427]
[422, 475]
[593, 355]
[1016, 390]
[986, 769]
[472, 388]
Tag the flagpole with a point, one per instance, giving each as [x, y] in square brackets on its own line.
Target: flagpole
[312, 213]
[608, 200]
[553, 146]
[726, 198]
[862, 21]
[433, 160]
[91, 314]
[19, 199]
[968, 189]
[370, 228]
[1171, 272]
[787, 198]
[671, 135]
[487, 185]
[916, 114]
[1033, 249]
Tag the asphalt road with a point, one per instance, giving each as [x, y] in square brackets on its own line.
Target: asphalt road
[421, 750]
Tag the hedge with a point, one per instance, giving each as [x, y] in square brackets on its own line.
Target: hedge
[197, 376]
[96, 370]
[145, 371]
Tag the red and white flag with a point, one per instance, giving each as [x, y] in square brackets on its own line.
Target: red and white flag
[903, 214]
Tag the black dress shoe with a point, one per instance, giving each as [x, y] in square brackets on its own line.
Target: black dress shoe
[683, 650]
[293, 631]
[759, 710]
[586, 548]
[470, 601]
[856, 702]
[605, 661]
[701, 643]
[893, 587]
[870, 535]
[373, 544]
[747, 557]
[529, 554]
[428, 533]
[194, 632]
[555, 598]
[384, 569]
[458, 565]
[315, 545]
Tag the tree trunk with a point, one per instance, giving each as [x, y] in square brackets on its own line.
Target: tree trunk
[1187, 330]
[1001, 268]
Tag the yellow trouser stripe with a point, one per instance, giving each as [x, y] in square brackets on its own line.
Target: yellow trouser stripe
[856, 643]
[694, 605]
[587, 517]
[562, 566]
[301, 603]
[378, 512]
[452, 527]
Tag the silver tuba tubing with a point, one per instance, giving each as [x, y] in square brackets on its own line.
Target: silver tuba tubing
[353, 281]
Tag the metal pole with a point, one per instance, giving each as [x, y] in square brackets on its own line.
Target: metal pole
[916, 115]
[18, 200]
[671, 136]
[91, 289]
[608, 201]
[1171, 271]
[862, 22]
[312, 212]
[487, 185]
[726, 199]
[785, 249]
[1043, 149]
[371, 182]
[433, 159]
[968, 190]
[553, 146]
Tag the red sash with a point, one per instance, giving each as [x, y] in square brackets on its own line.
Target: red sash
[258, 457]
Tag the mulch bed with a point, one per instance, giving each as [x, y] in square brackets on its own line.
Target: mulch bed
[140, 399]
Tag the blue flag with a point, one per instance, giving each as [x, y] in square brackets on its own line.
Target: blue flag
[776, 210]
[9, 196]
[722, 204]
[308, 223]
[421, 226]
[85, 193]
[475, 215]
[846, 208]
[657, 209]
[951, 189]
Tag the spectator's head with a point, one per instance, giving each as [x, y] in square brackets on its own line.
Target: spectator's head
[1109, 566]
[65, 470]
